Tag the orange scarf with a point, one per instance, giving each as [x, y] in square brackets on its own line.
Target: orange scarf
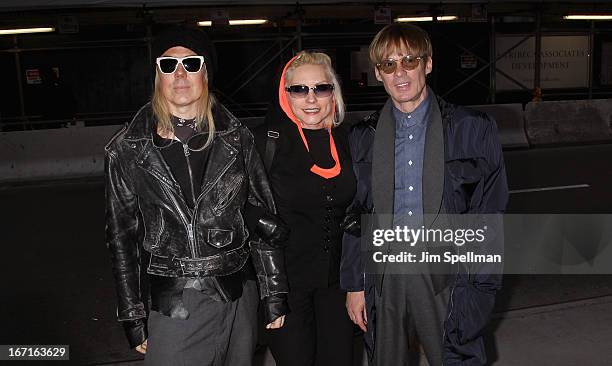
[284, 103]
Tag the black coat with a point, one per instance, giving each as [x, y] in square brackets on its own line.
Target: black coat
[463, 172]
[312, 206]
[150, 228]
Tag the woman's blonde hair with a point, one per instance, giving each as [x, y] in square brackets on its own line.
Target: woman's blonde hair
[319, 58]
[204, 112]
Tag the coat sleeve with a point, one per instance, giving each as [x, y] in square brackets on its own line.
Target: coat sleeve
[266, 252]
[473, 295]
[495, 193]
[121, 239]
[352, 270]
[488, 277]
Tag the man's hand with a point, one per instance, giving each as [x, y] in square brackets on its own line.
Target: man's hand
[355, 305]
[277, 323]
[142, 348]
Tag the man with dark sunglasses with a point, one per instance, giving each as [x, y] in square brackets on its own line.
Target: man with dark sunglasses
[178, 179]
[417, 158]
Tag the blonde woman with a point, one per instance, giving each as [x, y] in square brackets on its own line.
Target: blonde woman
[313, 182]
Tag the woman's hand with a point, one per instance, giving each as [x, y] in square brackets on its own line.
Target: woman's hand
[277, 323]
[142, 348]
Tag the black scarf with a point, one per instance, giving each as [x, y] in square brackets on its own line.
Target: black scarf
[184, 129]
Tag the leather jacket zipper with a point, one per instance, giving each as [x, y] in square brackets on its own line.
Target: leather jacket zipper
[190, 225]
[191, 240]
[187, 153]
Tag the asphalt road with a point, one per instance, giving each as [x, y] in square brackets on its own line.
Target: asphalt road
[58, 287]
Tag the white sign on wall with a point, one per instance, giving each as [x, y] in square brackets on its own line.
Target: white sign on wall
[564, 62]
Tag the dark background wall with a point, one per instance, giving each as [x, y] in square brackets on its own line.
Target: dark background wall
[105, 72]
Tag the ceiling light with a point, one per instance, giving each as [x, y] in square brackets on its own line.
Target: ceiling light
[208, 23]
[26, 30]
[248, 21]
[588, 17]
[444, 18]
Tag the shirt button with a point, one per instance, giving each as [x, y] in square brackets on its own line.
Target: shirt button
[410, 137]
[411, 188]
[409, 116]
[409, 213]
[410, 163]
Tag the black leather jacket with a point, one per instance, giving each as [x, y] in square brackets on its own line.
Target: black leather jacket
[158, 242]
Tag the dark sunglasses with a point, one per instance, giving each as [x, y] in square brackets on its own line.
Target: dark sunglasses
[168, 65]
[409, 62]
[301, 91]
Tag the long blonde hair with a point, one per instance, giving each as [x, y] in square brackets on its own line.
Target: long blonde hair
[204, 111]
[319, 58]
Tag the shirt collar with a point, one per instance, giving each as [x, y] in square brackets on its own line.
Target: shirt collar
[416, 117]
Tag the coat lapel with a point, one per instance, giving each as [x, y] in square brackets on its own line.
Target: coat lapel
[433, 163]
[433, 187]
[383, 162]
[152, 161]
[222, 156]
[150, 158]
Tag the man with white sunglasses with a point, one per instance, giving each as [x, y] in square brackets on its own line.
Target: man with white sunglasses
[178, 179]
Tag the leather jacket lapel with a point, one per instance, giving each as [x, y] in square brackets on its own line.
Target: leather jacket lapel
[222, 156]
[151, 160]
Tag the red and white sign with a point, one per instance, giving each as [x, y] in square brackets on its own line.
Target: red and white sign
[33, 77]
[382, 15]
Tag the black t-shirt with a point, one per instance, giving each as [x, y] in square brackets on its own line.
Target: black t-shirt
[178, 155]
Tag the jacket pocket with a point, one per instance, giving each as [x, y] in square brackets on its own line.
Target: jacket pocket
[219, 238]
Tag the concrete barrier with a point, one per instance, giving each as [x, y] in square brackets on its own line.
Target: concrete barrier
[74, 152]
[78, 152]
[510, 123]
[563, 122]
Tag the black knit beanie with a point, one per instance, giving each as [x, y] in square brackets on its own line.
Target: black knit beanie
[194, 39]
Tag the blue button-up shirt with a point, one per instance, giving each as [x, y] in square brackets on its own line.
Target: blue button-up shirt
[410, 130]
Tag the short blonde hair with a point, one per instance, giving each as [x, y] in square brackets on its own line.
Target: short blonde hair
[397, 36]
[319, 58]
[204, 113]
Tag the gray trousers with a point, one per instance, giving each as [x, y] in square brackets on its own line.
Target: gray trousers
[409, 313]
[215, 333]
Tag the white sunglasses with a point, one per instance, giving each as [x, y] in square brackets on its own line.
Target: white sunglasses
[191, 64]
